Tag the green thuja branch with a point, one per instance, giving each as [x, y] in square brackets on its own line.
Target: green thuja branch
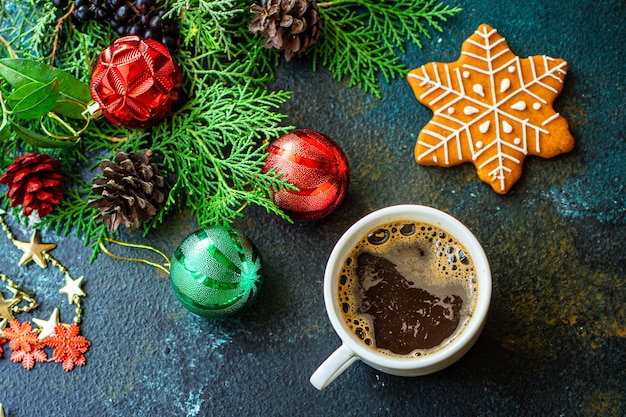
[348, 48]
[361, 38]
[39, 37]
[407, 20]
[205, 24]
[220, 169]
[18, 23]
[73, 214]
[78, 52]
[216, 42]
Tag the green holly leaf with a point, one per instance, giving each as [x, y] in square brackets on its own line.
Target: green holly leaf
[39, 140]
[74, 95]
[24, 91]
[69, 108]
[5, 131]
[34, 100]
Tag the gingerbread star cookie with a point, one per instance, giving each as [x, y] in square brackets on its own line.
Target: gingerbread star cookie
[491, 108]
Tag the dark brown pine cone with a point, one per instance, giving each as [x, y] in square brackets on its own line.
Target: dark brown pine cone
[291, 26]
[34, 181]
[131, 191]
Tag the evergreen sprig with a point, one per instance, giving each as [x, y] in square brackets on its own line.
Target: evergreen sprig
[205, 24]
[221, 132]
[361, 38]
[407, 20]
[349, 48]
[216, 43]
[73, 214]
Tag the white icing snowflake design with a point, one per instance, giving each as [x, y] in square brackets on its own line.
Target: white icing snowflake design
[491, 108]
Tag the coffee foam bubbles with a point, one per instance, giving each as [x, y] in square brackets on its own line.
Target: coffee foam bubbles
[426, 256]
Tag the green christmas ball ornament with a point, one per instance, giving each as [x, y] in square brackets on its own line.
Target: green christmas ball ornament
[216, 272]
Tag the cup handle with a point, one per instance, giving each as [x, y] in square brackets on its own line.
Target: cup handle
[332, 367]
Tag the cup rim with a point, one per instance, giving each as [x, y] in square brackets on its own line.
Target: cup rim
[424, 214]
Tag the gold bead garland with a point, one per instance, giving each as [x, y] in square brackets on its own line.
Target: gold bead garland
[27, 343]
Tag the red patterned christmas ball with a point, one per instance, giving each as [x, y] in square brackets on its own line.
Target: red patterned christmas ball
[317, 166]
[135, 82]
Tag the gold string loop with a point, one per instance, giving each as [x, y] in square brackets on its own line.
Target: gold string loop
[163, 267]
[75, 134]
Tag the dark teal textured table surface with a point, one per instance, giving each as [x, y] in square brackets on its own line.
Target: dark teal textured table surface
[555, 340]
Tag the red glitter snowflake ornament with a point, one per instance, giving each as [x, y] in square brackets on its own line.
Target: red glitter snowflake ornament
[135, 82]
[69, 346]
[26, 346]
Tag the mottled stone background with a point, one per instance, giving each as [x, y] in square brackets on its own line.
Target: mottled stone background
[555, 340]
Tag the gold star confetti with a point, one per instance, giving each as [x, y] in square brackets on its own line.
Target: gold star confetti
[72, 288]
[47, 326]
[6, 307]
[61, 336]
[34, 250]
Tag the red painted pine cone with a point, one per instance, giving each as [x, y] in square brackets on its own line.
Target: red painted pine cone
[34, 182]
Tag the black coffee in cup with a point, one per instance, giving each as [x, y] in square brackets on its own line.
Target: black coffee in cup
[407, 288]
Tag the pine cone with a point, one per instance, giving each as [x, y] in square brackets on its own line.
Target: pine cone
[287, 25]
[34, 181]
[131, 190]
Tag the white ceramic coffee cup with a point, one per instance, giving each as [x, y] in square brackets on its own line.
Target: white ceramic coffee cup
[352, 349]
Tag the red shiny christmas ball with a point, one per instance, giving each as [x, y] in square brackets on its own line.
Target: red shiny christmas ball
[135, 82]
[315, 164]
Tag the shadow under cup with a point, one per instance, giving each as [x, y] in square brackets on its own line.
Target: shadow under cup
[353, 348]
